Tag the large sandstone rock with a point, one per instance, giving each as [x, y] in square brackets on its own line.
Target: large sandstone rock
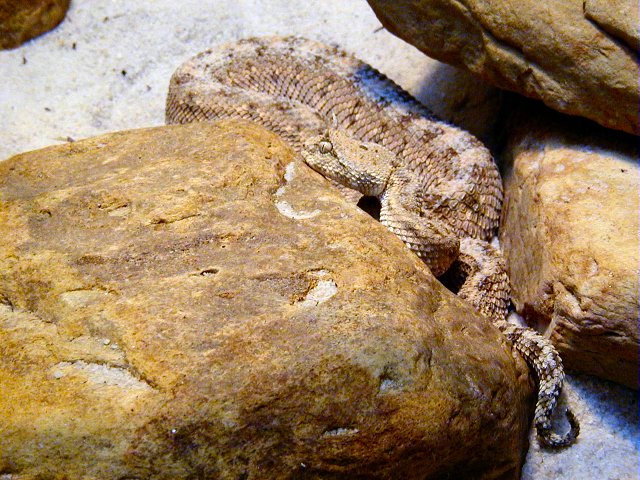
[579, 57]
[570, 237]
[22, 20]
[193, 302]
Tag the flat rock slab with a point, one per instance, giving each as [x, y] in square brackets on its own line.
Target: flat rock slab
[193, 301]
[578, 57]
[570, 237]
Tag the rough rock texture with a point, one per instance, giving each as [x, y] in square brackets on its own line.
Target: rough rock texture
[570, 236]
[619, 18]
[191, 301]
[579, 57]
[23, 20]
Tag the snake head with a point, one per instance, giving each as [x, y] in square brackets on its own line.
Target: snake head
[365, 167]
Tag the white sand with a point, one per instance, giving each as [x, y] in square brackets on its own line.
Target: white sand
[107, 68]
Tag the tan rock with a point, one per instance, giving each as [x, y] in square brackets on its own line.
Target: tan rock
[190, 301]
[570, 236]
[23, 20]
[573, 55]
[619, 18]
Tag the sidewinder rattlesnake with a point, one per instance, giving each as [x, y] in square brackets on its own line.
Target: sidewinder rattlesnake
[438, 186]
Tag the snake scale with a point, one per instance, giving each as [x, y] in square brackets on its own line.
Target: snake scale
[438, 186]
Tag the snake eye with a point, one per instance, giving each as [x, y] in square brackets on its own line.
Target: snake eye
[325, 146]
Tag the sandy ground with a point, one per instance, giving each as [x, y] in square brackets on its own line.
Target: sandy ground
[107, 68]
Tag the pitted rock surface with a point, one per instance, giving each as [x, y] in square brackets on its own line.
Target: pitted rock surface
[192, 300]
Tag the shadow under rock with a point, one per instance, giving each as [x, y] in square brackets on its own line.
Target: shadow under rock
[617, 405]
[521, 116]
[458, 97]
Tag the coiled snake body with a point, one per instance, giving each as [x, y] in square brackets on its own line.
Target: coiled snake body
[438, 186]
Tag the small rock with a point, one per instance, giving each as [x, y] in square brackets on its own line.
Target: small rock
[21, 20]
[578, 57]
[570, 237]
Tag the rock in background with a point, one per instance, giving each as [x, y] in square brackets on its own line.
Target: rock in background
[21, 21]
[195, 301]
[570, 237]
[578, 57]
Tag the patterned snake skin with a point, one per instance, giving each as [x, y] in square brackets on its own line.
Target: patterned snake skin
[439, 188]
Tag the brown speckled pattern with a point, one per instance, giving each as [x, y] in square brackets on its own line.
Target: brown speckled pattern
[442, 195]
